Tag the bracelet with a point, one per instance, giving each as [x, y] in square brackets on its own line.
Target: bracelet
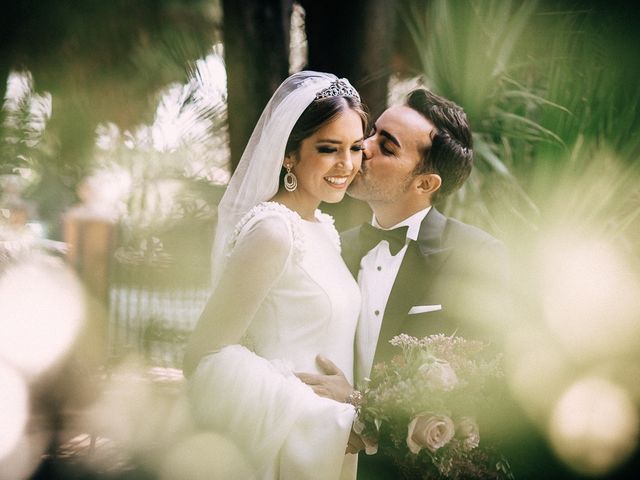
[354, 398]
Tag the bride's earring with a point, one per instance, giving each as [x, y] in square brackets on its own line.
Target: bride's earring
[290, 180]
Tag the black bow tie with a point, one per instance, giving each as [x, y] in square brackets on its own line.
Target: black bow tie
[371, 236]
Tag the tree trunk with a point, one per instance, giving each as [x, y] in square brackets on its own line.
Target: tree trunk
[354, 40]
[256, 50]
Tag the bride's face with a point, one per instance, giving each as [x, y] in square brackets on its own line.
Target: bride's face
[328, 160]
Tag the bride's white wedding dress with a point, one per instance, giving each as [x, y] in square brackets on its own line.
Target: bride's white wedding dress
[306, 303]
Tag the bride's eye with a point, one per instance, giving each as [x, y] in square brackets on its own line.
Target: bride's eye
[323, 149]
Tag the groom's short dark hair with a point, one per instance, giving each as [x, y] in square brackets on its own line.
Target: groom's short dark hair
[450, 154]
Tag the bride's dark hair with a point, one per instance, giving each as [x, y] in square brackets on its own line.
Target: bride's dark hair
[320, 112]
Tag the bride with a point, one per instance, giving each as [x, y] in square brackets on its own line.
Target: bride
[282, 294]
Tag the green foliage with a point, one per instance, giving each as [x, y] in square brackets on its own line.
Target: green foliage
[26, 114]
[537, 83]
[595, 193]
[467, 53]
[593, 74]
[29, 151]
[590, 184]
[99, 62]
[166, 177]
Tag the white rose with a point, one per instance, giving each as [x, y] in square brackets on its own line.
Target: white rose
[439, 374]
[469, 432]
[429, 431]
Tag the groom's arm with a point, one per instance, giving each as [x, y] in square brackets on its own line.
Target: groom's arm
[332, 384]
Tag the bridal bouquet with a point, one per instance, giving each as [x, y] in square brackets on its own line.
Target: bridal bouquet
[422, 409]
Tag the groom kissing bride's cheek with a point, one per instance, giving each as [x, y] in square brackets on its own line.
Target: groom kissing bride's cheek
[420, 273]
[284, 292]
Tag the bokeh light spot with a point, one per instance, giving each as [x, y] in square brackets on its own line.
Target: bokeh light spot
[594, 426]
[537, 372]
[14, 404]
[41, 311]
[25, 456]
[589, 296]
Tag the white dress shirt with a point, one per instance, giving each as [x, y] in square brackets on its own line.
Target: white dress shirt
[378, 271]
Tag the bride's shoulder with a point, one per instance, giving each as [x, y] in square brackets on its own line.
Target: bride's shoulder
[329, 224]
[270, 221]
[267, 214]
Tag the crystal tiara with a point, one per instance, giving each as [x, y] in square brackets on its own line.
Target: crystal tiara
[338, 88]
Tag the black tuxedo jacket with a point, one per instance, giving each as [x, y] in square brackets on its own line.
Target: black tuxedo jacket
[453, 265]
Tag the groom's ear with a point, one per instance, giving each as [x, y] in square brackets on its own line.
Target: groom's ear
[428, 183]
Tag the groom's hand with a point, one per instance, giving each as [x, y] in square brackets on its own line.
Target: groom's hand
[333, 384]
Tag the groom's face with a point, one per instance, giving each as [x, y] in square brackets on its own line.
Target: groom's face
[392, 152]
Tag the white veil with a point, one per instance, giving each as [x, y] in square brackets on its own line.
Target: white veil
[256, 178]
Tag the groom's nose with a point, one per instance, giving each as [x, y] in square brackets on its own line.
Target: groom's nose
[366, 149]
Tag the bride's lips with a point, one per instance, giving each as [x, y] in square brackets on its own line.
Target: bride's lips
[337, 182]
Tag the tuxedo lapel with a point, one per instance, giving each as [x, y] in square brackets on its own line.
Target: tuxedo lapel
[420, 265]
[352, 249]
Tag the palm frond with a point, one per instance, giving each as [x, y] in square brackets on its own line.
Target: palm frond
[467, 51]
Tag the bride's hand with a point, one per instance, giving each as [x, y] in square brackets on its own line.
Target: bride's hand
[333, 384]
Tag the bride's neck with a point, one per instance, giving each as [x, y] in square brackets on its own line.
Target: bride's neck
[296, 202]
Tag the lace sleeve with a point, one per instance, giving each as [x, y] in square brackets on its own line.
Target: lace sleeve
[260, 253]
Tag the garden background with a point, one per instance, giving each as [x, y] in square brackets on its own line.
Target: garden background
[122, 121]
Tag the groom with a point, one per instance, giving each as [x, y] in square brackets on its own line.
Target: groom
[419, 272]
